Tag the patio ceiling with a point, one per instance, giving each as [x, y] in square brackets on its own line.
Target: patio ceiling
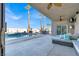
[67, 10]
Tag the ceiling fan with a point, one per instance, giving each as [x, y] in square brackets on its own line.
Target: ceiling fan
[50, 5]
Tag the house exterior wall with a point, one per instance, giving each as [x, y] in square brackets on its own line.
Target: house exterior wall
[55, 24]
[77, 25]
[74, 30]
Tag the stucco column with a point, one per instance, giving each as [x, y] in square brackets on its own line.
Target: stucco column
[77, 25]
[53, 28]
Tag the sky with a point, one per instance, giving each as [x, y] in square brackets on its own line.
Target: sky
[16, 16]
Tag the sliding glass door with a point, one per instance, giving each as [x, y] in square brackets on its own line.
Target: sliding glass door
[61, 29]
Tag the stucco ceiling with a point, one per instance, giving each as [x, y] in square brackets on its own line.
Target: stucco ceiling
[66, 11]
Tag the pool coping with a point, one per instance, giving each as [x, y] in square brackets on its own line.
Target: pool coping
[76, 47]
[63, 42]
[21, 39]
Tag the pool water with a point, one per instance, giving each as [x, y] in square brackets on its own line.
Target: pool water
[65, 37]
[15, 36]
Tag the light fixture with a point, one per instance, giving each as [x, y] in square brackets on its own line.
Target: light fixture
[50, 5]
[61, 18]
[70, 27]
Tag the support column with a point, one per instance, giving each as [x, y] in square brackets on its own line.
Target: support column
[54, 28]
[77, 26]
[2, 30]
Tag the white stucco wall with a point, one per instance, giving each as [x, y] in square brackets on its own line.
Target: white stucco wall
[77, 25]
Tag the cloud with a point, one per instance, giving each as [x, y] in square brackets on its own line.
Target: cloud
[10, 15]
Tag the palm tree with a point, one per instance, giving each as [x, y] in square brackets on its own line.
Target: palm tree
[28, 8]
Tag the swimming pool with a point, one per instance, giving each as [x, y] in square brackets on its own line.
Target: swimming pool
[65, 37]
[15, 36]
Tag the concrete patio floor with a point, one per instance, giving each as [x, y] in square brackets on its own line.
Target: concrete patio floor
[38, 47]
[60, 50]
